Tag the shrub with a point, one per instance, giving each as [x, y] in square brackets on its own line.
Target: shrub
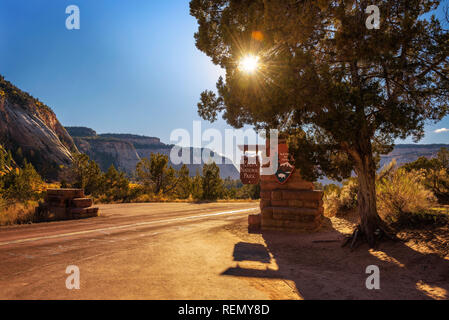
[22, 185]
[401, 195]
[143, 198]
[115, 185]
[85, 174]
[197, 186]
[212, 183]
[339, 201]
[17, 213]
[435, 173]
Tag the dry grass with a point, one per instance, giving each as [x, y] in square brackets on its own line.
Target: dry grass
[403, 198]
[341, 201]
[150, 198]
[17, 213]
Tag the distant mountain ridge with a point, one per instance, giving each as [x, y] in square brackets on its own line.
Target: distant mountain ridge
[404, 153]
[124, 151]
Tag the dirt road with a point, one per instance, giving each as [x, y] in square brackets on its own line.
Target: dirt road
[203, 251]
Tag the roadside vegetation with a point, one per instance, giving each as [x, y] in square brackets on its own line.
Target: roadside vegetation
[415, 194]
[155, 181]
[22, 188]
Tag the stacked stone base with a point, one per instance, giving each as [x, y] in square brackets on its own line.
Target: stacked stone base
[66, 204]
[293, 206]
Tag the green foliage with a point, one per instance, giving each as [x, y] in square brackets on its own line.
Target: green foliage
[156, 175]
[22, 185]
[115, 185]
[6, 161]
[402, 195]
[20, 189]
[331, 188]
[183, 188]
[339, 201]
[212, 183]
[156, 181]
[86, 174]
[249, 191]
[435, 172]
[197, 186]
[109, 186]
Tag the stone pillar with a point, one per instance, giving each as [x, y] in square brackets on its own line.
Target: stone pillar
[293, 205]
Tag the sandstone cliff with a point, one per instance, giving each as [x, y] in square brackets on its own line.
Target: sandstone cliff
[31, 130]
[109, 151]
[125, 150]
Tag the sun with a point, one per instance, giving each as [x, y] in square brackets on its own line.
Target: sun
[249, 64]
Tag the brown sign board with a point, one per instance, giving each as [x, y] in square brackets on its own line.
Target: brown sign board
[250, 170]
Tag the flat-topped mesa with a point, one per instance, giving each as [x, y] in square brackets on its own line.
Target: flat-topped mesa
[66, 204]
[293, 205]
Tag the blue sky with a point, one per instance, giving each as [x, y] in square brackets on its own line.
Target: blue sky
[131, 68]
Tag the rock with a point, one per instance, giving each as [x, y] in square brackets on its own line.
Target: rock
[66, 193]
[264, 203]
[28, 124]
[109, 151]
[65, 204]
[302, 195]
[254, 222]
[82, 202]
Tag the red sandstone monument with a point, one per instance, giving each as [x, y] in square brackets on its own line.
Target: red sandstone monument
[66, 204]
[288, 202]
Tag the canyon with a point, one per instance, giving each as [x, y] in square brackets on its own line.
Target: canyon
[124, 151]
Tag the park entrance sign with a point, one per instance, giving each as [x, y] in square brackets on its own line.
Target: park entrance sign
[285, 168]
[288, 202]
[250, 170]
[250, 165]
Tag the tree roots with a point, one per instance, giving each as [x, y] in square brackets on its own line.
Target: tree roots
[359, 237]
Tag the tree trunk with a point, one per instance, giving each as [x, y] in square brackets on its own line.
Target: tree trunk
[370, 221]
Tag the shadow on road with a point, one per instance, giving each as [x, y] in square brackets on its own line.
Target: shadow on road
[251, 252]
[321, 269]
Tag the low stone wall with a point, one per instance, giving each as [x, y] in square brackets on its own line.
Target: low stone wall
[66, 204]
[293, 205]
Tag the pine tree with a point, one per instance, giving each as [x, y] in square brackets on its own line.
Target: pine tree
[184, 183]
[212, 183]
[86, 174]
[115, 185]
[22, 184]
[197, 186]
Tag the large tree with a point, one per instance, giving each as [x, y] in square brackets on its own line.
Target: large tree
[345, 91]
